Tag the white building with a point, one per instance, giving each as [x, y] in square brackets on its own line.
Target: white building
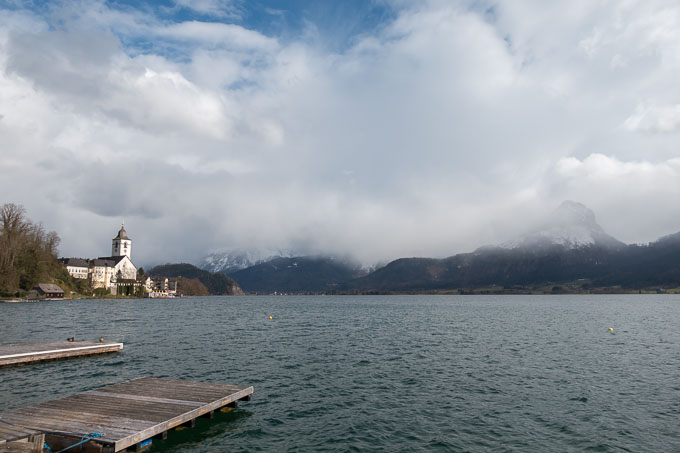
[105, 271]
[161, 287]
[102, 273]
[76, 267]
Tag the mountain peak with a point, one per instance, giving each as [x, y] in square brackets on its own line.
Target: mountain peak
[574, 213]
[572, 225]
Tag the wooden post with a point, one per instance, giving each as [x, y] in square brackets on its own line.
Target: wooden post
[190, 424]
[37, 441]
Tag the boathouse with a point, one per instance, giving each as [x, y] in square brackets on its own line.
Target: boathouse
[48, 290]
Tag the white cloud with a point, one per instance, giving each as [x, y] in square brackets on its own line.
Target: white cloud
[635, 200]
[440, 131]
[654, 119]
[217, 34]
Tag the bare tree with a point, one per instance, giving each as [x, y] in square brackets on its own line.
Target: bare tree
[27, 252]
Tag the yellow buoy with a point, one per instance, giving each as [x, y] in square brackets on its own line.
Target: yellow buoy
[611, 329]
[271, 317]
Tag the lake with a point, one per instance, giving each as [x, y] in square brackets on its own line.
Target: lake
[383, 373]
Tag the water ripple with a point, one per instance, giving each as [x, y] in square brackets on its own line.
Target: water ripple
[393, 373]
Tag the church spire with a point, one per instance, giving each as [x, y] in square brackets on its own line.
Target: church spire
[121, 244]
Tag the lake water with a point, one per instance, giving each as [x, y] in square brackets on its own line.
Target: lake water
[383, 373]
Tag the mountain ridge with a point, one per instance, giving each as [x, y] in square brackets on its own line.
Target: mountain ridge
[568, 248]
[297, 274]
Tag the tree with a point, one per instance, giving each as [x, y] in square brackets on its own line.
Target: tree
[140, 291]
[28, 254]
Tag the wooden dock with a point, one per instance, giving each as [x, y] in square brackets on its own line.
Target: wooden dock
[26, 353]
[126, 415]
[18, 439]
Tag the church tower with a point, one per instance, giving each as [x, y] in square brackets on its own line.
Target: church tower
[122, 244]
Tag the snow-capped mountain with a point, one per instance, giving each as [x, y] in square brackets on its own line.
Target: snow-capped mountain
[572, 225]
[230, 261]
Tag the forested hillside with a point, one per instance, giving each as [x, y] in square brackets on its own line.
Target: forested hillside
[28, 253]
[217, 284]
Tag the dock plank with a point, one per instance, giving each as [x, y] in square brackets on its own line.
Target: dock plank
[143, 410]
[15, 354]
[146, 398]
[19, 438]
[103, 422]
[128, 413]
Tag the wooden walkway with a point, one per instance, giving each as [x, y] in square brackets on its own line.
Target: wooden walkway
[18, 439]
[25, 353]
[126, 415]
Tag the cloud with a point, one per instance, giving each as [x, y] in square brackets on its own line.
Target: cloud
[633, 199]
[663, 119]
[221, 8]
[444, 128]
[216, 34]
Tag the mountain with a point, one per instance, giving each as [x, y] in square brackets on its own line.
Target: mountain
[642, 266]
[217, 284]
[297, 275]
[489, 267]
[569, 247]
[230, 261]
[571, 225]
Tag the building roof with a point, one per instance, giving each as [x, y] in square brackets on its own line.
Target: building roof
[122, 234]
[75, 262]
[48, 288]
[106, 261]
[115, 259]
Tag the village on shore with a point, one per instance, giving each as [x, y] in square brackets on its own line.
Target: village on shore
[114, 275]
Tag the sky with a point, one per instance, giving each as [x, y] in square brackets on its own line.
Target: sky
[374, 129]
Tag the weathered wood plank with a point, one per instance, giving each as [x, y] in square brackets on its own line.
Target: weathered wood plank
[93, 420]
[33, 445]
[26, 353]
[141, 410]
[9, 433]
[149, 399]
[129, 413]
[72, 428]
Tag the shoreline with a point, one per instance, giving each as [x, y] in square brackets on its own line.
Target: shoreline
[466, 292]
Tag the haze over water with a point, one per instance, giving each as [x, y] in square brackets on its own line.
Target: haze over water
[384, 373]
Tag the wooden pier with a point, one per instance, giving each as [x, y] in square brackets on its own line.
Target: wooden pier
[26, 353]
[125, 415]
[18, 439]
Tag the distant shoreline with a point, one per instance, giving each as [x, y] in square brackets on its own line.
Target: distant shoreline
[472, 292]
